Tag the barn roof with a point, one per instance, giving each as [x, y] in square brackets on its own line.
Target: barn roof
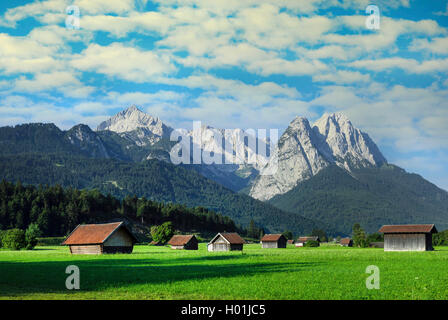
[94, 233]
[231, 238]
[305, 239]
[271, 237]
[409, 228]
[345, 241]
[180, 240]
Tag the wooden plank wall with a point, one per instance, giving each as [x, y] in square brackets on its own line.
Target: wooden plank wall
[405, 242]
[86, 249]
[269, 245]
[119, 238]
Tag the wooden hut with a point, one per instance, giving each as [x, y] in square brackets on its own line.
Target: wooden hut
[100, 238]
[346, 242]
[273, 241]
[226, 242]
[412, 237]
[302, 240]
[291, 241]
[184, 242]
[376, 244]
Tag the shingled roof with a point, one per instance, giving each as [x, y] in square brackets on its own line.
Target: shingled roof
[94, 233]
[232, 238]
[305, 239]
[180, 240]
[409, 228]
[271, 237]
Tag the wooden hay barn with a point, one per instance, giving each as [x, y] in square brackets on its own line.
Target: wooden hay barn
[346, 242]
[273, 241]
[412, 237]
[100, 238]
[184, 242]
[291, 241]
[377, 244]
[226, 242]
[302, 240]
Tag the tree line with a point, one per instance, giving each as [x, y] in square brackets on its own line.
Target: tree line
[56, 211]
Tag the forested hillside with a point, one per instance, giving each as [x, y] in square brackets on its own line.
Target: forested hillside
[153, 179]
[57, 211]
[369, 196]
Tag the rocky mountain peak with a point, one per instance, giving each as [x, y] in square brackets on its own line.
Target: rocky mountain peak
[130, 119]
[142, 127]
[349, 145]
[132, 109]
[304, 150]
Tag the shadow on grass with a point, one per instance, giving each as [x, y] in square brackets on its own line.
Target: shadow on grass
[100, 274]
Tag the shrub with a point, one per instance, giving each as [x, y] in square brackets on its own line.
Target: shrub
[440, 239]
[311, 243]
[1, 235]
[14, 239]
[50, 241]
[359, 236]
[162, 233]
[31, 235]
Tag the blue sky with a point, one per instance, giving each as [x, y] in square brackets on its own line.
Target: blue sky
[229, 63]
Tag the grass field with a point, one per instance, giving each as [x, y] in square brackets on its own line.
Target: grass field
[327, 272]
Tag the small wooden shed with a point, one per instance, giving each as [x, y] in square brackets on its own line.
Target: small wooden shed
[411, 237]
[100, 238]
[346, 242]
[273, 241]
[302, 240]
[376, 244]
[291, 241]
[226, 242]
[184, 242]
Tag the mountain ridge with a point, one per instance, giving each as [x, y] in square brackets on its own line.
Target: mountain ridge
[303, 192]
[303, 150]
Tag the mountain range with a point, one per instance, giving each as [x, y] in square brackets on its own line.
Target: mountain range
[328, 174]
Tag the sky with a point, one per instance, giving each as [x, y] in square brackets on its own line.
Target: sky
[235, 64]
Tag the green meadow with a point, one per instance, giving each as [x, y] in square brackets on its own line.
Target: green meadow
[327, 272]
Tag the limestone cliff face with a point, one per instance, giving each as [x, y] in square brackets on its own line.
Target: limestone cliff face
[303, 151]
[138, 126]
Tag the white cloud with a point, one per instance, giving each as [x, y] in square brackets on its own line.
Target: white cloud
[65, 82]
[95, 108]
[53, 11]
[409, 119]
[22, 47]
[19, 109]
[35, 9]
[342, 77]
[283, 30]
[334, 52]
[297, 6]
[385, 37]
[436, 45]
[44, 49]
[142, 98]
[442, 13]
[408, 65]
[124, 62]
